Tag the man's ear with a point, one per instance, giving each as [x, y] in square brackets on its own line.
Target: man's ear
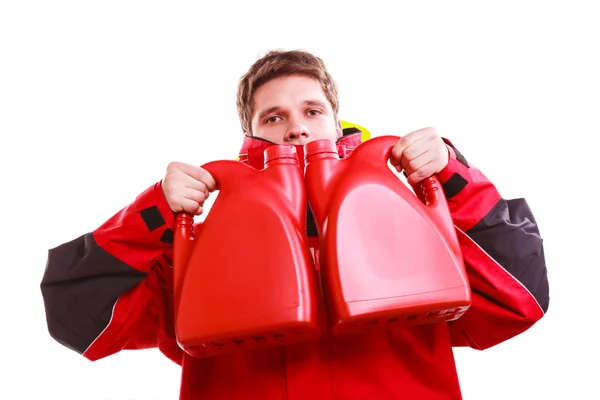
[338, 128]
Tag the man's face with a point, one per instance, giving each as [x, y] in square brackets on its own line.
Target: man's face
[293, 110]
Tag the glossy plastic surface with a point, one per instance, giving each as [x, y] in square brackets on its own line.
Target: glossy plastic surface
[387, 259]
[246, 279]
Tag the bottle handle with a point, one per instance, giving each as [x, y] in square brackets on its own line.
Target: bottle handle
[184, 236]
[183, 244]
[380, 148]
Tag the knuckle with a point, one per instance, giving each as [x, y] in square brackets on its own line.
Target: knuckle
[409, 155]
[205, 178]
[177, 200]
[412, 164]
[195, 196]
[168, 182]
[425, 172]
[405, 140]
[173, 165]
[167, 192]
[199, 172]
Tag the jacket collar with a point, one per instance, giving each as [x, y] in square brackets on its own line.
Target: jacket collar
[252, 151]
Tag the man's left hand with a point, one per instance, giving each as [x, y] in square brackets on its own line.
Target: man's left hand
[420, 154]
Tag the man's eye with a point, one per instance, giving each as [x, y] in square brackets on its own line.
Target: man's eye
[314, 112]
[272, 119]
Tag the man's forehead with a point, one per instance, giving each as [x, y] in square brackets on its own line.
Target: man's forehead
[288, 92]
[293, 86]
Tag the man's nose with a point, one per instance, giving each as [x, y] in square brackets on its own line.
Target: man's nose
[296, 131]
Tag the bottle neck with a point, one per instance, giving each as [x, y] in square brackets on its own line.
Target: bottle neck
[281, 161]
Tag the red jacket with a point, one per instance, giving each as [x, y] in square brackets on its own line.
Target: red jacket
[111, 289]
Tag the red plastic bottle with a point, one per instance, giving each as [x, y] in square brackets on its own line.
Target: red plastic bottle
[246, 279]
[387, 259]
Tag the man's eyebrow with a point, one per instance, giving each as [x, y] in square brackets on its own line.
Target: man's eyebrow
[273, 109]
[268, 111]
[314, 103]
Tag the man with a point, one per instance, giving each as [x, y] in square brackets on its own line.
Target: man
[111, 289]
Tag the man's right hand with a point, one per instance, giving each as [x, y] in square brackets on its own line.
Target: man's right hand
[186, 187]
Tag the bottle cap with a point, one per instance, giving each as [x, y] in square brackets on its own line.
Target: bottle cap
[319, 146]
[281, 151]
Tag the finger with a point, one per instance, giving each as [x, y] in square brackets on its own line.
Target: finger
[407, 148]
[189, 206]
[396, 154]
[407, 141]
[414, 137]
[199, 210]
[417, 135]
[430, 144]
[199, 196]
[413, 164]
[416, 155]
[199, 174]
[193, 183]
[423, 172]
[421, 134]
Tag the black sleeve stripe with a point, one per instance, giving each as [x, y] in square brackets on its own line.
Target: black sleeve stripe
[80, 287]
[454, 185]
[461, 158]
[152, 218]
[167, 236]
[510, 235]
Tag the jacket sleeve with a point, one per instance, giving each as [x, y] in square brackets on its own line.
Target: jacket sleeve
[503, 254]
[105, 290]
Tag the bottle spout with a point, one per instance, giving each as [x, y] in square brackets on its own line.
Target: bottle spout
[321, 162]
[282, 165]
[280, 154]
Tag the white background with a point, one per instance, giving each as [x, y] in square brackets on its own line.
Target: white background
[97, 97]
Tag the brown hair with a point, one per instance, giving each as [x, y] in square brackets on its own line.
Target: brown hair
[278, 63]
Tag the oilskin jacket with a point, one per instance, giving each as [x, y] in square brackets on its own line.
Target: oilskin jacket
[111, 289]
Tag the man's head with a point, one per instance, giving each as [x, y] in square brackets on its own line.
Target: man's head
[288, 97]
